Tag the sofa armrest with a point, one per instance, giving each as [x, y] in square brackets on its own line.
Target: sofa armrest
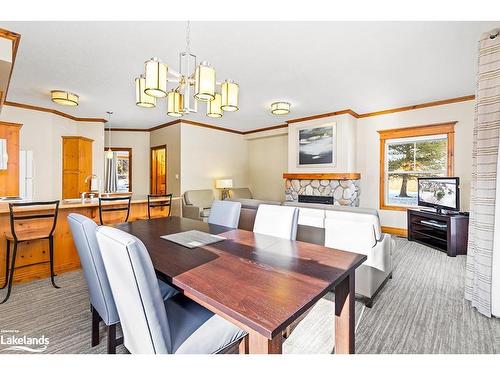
[384, 248]
[191, 212]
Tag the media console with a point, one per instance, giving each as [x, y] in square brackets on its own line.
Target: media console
[441, 231]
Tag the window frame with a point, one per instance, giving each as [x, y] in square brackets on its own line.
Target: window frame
[447, 128]
[129, 149]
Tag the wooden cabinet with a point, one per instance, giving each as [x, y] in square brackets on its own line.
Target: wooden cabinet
[77, 165]
[9, 178]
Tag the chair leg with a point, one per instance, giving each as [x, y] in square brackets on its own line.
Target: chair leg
[51, 251]
[11, 274]
[112, 339]
[7, 255]
[95, 327]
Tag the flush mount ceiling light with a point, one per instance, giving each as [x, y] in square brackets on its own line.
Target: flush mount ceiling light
[64, 97]
[280, 108]
[141, 99]
[193, 83]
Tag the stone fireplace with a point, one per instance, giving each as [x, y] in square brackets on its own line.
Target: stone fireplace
[341, 188]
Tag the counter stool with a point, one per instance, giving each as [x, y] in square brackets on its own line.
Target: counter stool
[158, 200]
[125, 206]
[27, 226]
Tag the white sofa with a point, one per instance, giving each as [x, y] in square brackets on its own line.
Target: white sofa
[351, 229]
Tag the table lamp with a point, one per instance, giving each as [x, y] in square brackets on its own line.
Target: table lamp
[225, 185]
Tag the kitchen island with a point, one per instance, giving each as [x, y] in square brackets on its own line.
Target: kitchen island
[33, 256]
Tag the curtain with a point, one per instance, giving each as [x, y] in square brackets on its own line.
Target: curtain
[111, 175]
[483, 247]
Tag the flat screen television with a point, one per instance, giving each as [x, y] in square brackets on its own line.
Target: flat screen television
[439, 193]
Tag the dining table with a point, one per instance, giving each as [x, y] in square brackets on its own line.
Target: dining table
[260, 283]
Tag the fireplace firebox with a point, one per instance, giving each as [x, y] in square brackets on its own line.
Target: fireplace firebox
[315, 199]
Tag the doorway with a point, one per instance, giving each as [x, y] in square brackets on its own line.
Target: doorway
[159, 170]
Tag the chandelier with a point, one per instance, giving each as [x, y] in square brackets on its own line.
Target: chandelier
[193, 83]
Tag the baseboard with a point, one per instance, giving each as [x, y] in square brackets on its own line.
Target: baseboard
[400, 232]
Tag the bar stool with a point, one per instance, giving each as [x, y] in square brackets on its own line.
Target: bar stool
[126, 201]
[156, 200]
[33, 231]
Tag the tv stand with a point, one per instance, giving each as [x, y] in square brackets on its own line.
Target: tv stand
[446, 232]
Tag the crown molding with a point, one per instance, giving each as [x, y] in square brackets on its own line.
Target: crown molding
[54, 111]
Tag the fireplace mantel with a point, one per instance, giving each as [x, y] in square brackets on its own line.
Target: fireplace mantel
[322, 176]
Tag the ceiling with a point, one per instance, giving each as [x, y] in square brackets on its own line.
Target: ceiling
[317, 66]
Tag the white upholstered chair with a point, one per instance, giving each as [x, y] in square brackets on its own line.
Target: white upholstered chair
[225, 213]
[277, 221]
[149, 324]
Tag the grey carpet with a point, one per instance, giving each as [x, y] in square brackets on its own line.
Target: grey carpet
[421, 310]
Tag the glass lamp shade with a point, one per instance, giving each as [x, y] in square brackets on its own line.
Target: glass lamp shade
[224, 183]
[156, 78]
[214, 107]
[174, 104]
[204, 87]
[141, 98]
[280, 108]
[64, 97]
[230, 92]
[108, 154]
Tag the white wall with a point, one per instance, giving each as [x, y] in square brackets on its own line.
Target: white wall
[139, 143]
[369, 153]
[345, 147]
[41, 132]
[208, 154]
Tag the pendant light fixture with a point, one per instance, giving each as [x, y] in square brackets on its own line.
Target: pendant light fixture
[156, 78]
[280, 108]
[214, 109]
[141, 98]
[229, 91]
[64, 97]
[109, 153]
[193, 83]
[174, 104]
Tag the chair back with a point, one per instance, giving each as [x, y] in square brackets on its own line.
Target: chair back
[225, 213]
[277, 221]
[240, 193]
[83, 230]
[159, 200]
[136, 292]
[199, 198]
[23, 218]
[123, 205]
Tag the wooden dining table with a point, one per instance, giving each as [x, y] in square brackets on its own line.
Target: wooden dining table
[260, 283]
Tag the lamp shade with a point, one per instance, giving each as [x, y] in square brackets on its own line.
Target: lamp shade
[280, 108]
[174, 104]
[141, 98]
[214, 107]
[230, 92]
[64, 97]
[224, 183]
[156, 78]
[204, 87]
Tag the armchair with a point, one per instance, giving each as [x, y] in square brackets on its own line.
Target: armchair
[196, 204]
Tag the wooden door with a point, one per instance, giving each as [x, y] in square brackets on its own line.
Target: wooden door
[159, 170]
[9, 178]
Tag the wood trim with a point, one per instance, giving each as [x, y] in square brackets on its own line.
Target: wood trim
[11, 124]
[419, 106]
[128, 130]
[447, 128]
[274, 127]
[203, 125]
[322, 176]
[323, 115]
[15, 38]
[54, 111]
[129, 149]
[151, 149]
[400, 232]
[164, 125]
[76, 137]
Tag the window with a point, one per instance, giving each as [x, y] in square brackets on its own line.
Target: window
[409, 153]
[123, 168]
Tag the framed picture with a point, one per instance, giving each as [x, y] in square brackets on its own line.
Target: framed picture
[316, 146]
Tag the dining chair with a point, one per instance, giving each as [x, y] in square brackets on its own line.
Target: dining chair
[277, 221]
[26, 225]
[150, 325]
[123, 206]
[102, 303]
[225, 213]
[159, 200]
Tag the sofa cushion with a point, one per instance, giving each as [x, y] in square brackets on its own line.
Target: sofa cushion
[237, 193]
[199, 198]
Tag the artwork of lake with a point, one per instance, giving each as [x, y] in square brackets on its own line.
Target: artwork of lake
[316, 145]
